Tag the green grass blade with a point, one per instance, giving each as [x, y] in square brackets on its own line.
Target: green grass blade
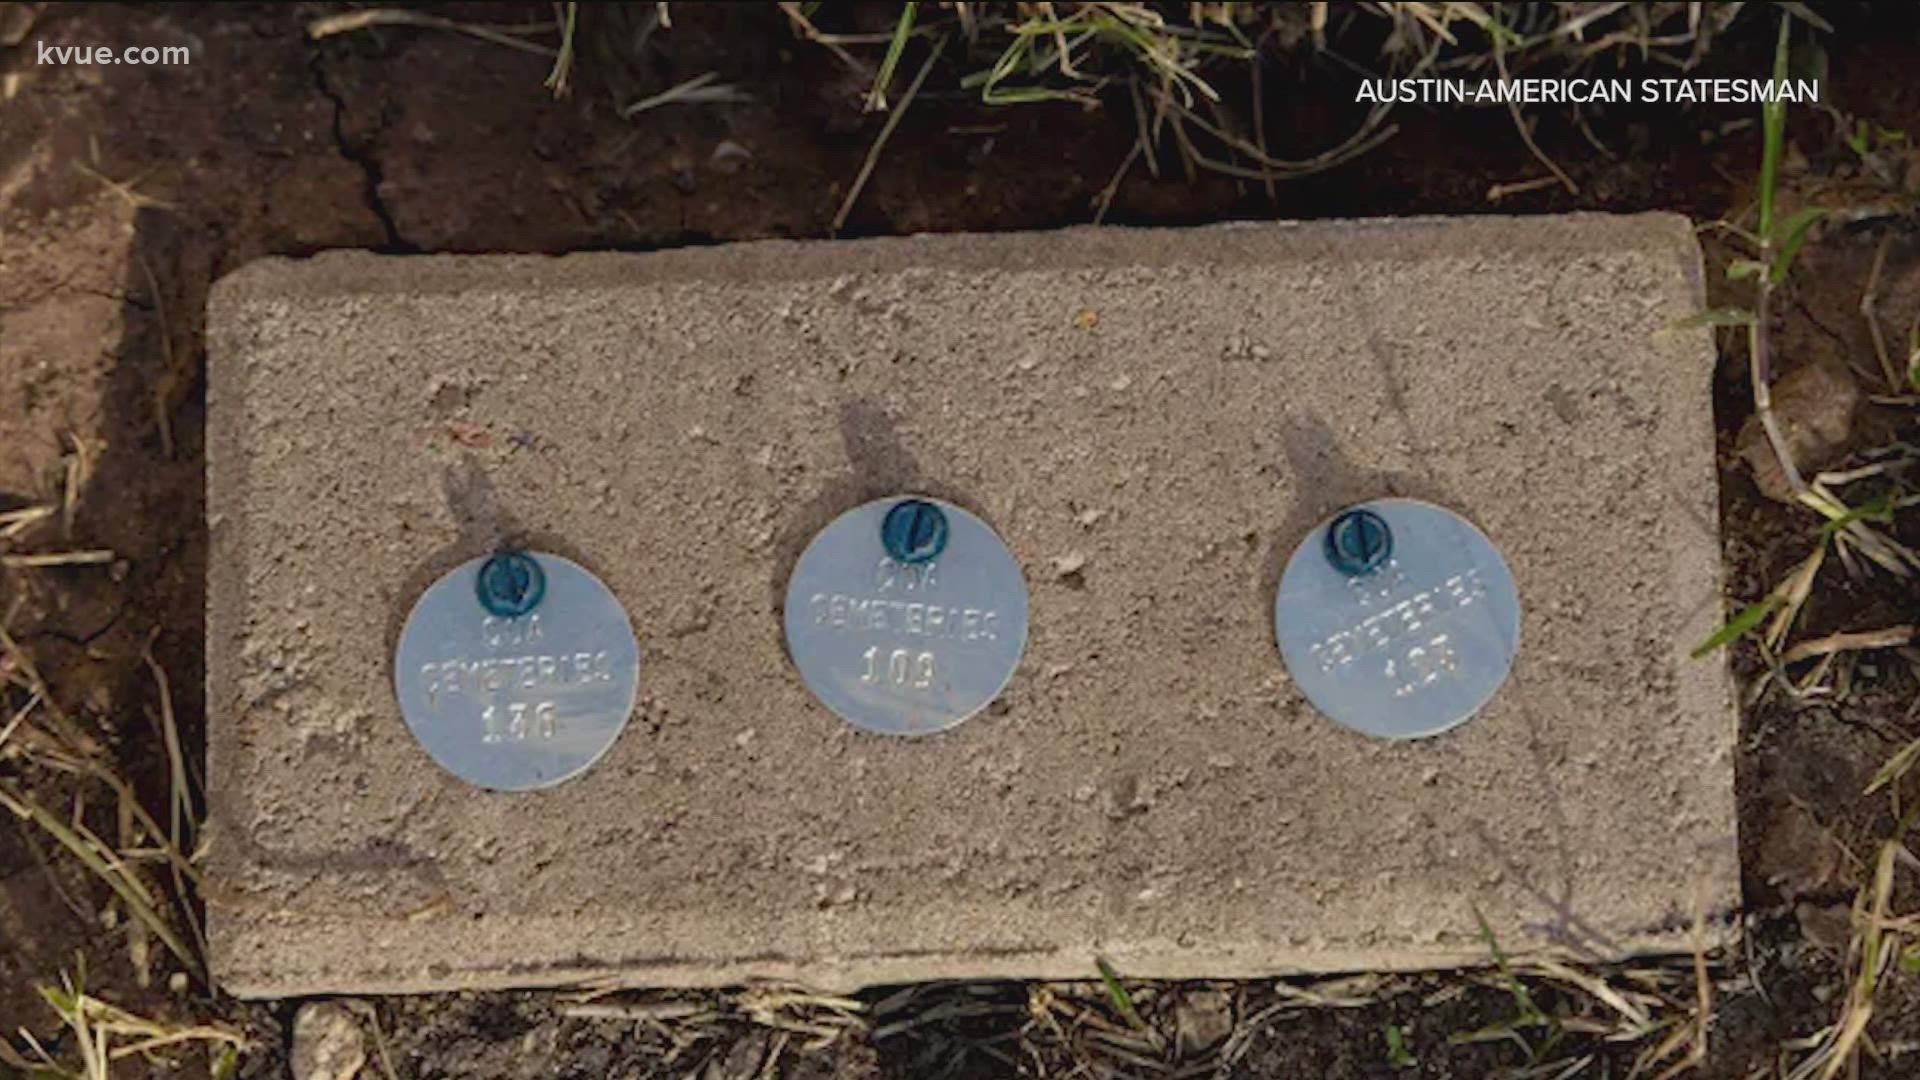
[563, 63]
[1529, 1013]
[1878, 510]
[1805, 14]
[1793, 233]
[902, 30]
[1716, 317]
[1895, 767]
[1122, 1001]
[130, 890]
[1397, 1053]
[1773, 123]
[1737, 626]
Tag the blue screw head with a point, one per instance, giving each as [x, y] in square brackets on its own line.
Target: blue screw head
[914, 531]
[1359, 542]
[510, 584]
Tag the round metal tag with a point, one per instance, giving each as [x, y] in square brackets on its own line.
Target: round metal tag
[524, 699]
[906, 616]
[1397, 618]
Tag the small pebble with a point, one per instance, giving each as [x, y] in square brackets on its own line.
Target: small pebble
[729, 156]
[328, 1043]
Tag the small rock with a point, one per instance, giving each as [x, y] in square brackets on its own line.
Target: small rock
[680, 173]
[728, 157]
[1065, 566]
[1202, 1020]
[1122, 798]
[328, 1043]
[16, 22]
[744, 1060]
[1829, 926]
[1797, 854]
[1814, 407]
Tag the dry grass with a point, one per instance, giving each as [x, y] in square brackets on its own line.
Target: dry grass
[60, 781]
[1652, 1016]
[1853, 531]
[512, 37]
[1880, 941]
[103, 1034]
[690, 1032]
[1165, 63]
[1860, 506]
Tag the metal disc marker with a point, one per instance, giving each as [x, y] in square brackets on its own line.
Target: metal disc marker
[906, 616]
[517, 670]
[1397, 618]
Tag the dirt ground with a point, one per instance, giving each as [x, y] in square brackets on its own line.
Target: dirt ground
[124, 191]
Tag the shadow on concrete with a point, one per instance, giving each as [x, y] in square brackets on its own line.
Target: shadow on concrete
[880, 465]
[1326, 480]
[484, 525]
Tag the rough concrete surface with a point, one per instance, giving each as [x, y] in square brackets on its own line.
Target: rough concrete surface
[1169, 410]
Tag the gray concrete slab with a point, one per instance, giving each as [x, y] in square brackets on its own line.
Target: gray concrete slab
[1175, 408]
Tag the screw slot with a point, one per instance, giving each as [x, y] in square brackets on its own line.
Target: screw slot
[1359, 542]
[510, 584]
[914, 531]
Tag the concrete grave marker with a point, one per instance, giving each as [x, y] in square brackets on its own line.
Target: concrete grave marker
[1151, 421]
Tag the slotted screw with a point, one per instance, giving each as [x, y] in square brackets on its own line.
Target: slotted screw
[511, 584]
[914, 531]
[1359, 542]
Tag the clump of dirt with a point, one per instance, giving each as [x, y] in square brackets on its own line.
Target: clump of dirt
[125, 190]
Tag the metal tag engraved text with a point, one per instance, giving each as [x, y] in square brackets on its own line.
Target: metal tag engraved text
[1412, 648]
[899, 648]
[524, 701]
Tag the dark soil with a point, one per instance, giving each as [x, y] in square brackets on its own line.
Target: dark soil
[124, 191]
